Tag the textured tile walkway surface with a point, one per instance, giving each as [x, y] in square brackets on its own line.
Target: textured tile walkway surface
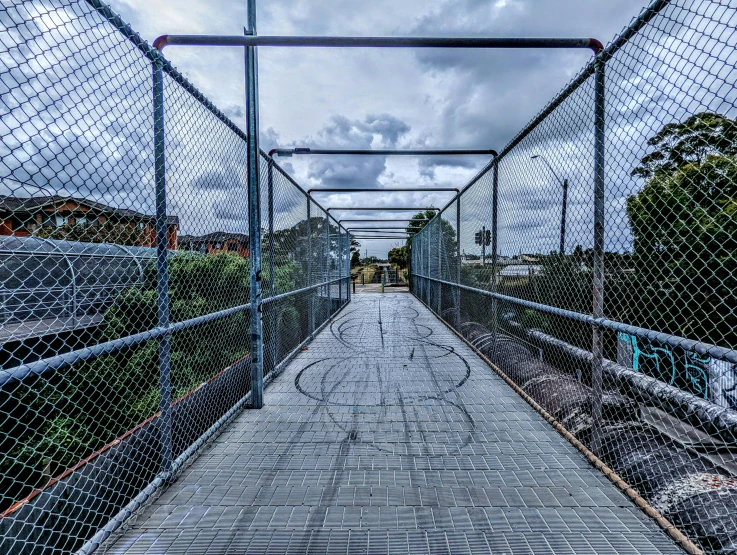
[389, 435]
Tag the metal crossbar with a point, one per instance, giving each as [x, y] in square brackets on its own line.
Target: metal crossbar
[381, 208]
[377, 42]
[374, 190]
[380, 152]
[388, 220]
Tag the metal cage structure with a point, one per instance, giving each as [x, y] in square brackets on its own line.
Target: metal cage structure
[161, 269]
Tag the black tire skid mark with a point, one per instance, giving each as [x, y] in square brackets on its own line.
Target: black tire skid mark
[454, 389]
[345, 325]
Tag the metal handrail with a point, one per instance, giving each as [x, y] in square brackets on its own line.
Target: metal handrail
[87, 353]
[714, 351]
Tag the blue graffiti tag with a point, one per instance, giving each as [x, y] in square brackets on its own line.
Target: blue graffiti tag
[664, 360]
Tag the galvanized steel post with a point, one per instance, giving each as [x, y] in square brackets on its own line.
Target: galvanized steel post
[458, 262]
[439, 300]
[273, 341]
[423, 270]
[310, 294]
[162, 269]
[494, 252]
[328, 265]
[254, 215]
[348, 265]
[563, 211]
[340, 266]
[426, 262]
[597, 347]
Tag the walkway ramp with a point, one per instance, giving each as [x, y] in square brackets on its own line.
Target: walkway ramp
[389, 435]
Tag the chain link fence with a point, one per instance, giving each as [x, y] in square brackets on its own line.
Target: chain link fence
[125, 316]
[511, 264]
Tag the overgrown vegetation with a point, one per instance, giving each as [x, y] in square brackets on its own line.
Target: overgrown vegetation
[65, 416]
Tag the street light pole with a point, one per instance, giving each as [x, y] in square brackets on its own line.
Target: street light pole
[564, 184]
[563, 218]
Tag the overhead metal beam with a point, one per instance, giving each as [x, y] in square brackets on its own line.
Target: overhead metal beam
[369, 190]
[382, 152]
[375, 228]
[388, 220]
[376, 42]
[382, 209]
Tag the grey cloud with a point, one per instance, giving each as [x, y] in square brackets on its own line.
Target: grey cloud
[217, 180]
[236, 113]
[234, 213]
[341, 132]
[269, 139]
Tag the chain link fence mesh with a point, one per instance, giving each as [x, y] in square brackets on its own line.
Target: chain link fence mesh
[88, 421]
[523, 295]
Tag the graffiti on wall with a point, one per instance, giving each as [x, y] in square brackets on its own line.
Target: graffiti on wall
[701, 375]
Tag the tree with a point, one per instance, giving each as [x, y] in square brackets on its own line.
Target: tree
[684, 223]
[355, 259]
[398, 257]
[418, 222]
[355, 245]
[448, 233]
[93, 402]
[692, 141]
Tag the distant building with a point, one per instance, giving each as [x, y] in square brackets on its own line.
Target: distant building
[520, 270]
[26, 216]
[526, 258]
[218, 241]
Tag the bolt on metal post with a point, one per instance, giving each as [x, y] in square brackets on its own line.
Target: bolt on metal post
[162, 269]
[254, 215]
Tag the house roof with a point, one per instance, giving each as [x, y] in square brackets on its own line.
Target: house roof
[18, 204]
[214, 236]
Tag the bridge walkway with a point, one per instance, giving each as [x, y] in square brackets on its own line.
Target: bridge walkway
[389, 435]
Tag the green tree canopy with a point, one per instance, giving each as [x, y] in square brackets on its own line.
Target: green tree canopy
[398, 256]
[684, 223]
[419, 221]
[692, 141]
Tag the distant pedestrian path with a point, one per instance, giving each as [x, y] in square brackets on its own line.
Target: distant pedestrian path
[389, 435]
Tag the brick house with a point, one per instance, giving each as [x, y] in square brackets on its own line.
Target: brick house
[26, 216]
[218, 241]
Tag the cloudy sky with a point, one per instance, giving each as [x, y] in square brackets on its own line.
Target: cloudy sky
[391, 99]
[75, 100]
